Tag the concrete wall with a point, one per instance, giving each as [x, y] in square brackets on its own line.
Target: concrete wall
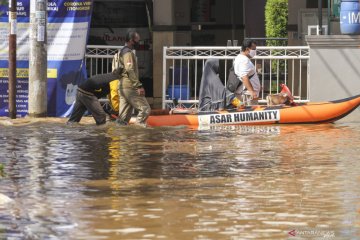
[182, 18]
[297, 10]
[255, 18]
[294, 6]
[164, 19]
[160, 39]
[182, 12]
[334, 68]
[217, 33]
[163, 12]
[173, 27]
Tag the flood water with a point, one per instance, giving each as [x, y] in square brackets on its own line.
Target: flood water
[88, 182]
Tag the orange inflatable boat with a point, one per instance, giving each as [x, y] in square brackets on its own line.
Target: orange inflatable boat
[306, 113]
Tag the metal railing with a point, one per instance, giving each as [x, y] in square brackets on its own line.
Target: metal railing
[98, 58]
[183, 68]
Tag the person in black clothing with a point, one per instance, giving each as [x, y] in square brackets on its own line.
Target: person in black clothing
[213, 94]
[87, 97]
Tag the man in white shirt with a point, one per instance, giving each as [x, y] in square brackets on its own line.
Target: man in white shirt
[245, 71]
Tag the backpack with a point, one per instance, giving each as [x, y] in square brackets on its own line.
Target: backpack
[117, 63]
[233, 81]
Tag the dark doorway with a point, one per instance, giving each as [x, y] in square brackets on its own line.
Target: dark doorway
[314, 3]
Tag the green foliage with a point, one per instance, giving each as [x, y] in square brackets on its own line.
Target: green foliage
[276, 19]
[2, 171]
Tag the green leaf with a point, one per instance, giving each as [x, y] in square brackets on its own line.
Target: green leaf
[2, 170]
[276, 20]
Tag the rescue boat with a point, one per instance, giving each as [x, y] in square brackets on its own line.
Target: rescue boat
[304, 113]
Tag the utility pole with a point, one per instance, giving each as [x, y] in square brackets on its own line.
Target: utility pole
[38, 59]
[12, 59]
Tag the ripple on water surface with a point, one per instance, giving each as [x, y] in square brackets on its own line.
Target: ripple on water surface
[256, 182]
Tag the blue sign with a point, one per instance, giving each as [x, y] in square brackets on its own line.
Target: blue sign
[67, 31]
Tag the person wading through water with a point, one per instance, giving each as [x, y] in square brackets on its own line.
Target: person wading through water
[87, 98]
[131, 90]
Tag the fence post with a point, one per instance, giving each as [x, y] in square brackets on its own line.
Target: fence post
[164, 77]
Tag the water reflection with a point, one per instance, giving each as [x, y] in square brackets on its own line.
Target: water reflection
[256, 182]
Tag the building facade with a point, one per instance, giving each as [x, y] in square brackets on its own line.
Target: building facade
[197, 23]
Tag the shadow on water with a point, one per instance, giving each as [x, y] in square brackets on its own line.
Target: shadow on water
[125, 182]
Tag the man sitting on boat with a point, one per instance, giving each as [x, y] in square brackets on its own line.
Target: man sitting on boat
[214, 95]
[245, 71]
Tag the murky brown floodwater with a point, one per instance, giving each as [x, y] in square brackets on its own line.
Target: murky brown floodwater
[87, 182]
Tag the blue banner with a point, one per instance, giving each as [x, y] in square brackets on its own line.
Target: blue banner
[67, 31]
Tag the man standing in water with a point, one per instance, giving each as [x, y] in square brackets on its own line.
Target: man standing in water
[131, 91]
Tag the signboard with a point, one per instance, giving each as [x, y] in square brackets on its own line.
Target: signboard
[67, 29]
[239, 118]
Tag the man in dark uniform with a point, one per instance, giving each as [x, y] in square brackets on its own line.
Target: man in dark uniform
[87, 97]
[131, 90]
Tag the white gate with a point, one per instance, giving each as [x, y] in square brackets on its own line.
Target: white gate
[183, 68]
[98, 58]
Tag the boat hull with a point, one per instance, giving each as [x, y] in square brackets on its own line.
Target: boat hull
[309, 113]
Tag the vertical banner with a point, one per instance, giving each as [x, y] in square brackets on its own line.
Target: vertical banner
[67, 30]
